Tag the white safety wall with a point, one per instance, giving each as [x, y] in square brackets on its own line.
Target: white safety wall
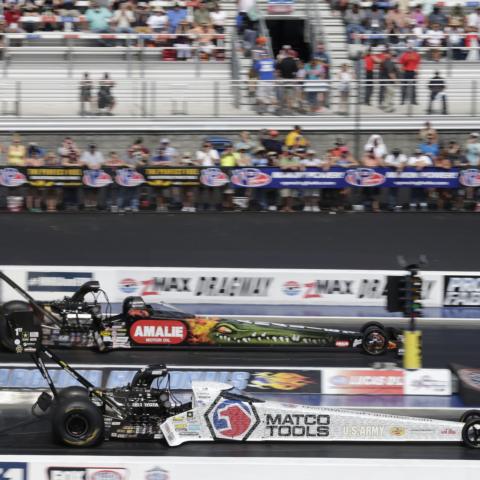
[241, 286]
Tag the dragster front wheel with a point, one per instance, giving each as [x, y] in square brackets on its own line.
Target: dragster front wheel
[375, 340]
[471, 433]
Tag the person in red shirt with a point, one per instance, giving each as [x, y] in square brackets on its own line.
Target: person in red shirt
[410, 62]
[12, 14]
[369, 67]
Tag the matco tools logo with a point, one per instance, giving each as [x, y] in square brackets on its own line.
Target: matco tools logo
[231, 419]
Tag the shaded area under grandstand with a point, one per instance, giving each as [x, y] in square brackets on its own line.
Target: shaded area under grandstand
[250, 240]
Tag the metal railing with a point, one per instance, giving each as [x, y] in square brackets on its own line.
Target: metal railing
[139, 97]
[131, 50]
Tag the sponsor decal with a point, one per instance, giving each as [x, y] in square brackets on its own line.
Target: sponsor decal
[13, 471]
[250, 177]
[11, 177]
[291, 288]
[286, 381]
[128, 285]
[231, 419]
[364, 177]
[233, 286]
[342, 343]
[470, 177]
[428, 382]
[462, 290]
[397, 431]
[213, 177]
[56, 281]
[319, 288]
[363, 382]
[96, 178]
[86, 473]
[126, 177]
[449, 431]
[363, 431]
[157, 473]
[297, 425]
[155, 332]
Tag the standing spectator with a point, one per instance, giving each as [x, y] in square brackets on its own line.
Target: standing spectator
[86, 97]
[52, 195]
[106, 100]
[410, 62]
[114, 191]
[473, 19]
[376, 143]
[34, 159]
[69, 155]
[315, 85]
[207, 156]
[246, 142]
[229, 158]
[397, 162]
[471, 42]
[370, 195]
[289, 161]
[163, 158]
[295, 138]
[312, 195]
[272, 143]
[369, 67]
[472, 150]
[427, 131]
[170, 153]
[430, 147]
[344, 78]
[265, 73]
[137, 152]
[437, 87]
[323, 57]
[419, 194]
[16, 152]
[288, 68]
[388, 76]
[93, 160]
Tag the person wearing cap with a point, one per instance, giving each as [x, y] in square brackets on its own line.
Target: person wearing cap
[430, 147]
[175, 15]
[418, 195]
[388, 75]
[371, 195]
[158, 20]
[264, 69]
[288, 68]
[272, 143]
[410, 62]
[168, 151]
[427, 131]
[295, 138]
[395, 161]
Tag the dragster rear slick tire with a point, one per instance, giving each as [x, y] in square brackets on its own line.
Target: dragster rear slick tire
[72, 392]
[77, 422]
[470, 415]
[471, 433]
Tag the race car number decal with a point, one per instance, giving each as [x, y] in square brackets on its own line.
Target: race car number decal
[155, 332]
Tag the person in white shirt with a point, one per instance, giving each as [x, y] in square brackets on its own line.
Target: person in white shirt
[312, 195]
[218, 18]
[93, 159]
[158, 20]
[376, 143]
[418, 195]
[123, 18]
[434, 38]
[473, 19]
[395, 160]
[207, 156]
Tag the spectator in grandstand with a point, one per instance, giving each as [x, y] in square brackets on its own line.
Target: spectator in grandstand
[229, 157]
[161, 158]
[417, 17]
[183, 41]
[290, 160]
[52, 196]
[418, 195]
[472, 150]
[437, 17]
[397, 162]
[369, 68]
[123, 18]
[98, 19]
[437, 88]
[141, 16]
[396, 18]
[457, 17]
[323, 57]
[158, 20]
[295, 138]
[287, 68]
[271, 143]
[34, 158]
[137, 152]
[201, 15]
[265, 93]
[410, 62]
[376, 143]
[435, 39]
[473, 19]
[218, 18]
[472, 44]
[86, 96]
[176, 15]
[12, 14]
[205, 38]
[311, 196]
[69, 155]
[105, 98]
[244, 157]
[388, 76]
[443, 196]
[430, 147]
[246, 142]
[16, 152]
[344, 81]
[93, 159]
[371, 195]
[427, 131]
[315, 85]
[207, 156]
[354, 19]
